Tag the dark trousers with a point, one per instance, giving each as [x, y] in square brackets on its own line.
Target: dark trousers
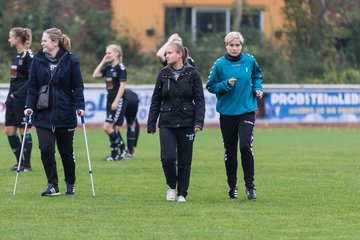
[64, 139]
[234, 128]
[177, 145]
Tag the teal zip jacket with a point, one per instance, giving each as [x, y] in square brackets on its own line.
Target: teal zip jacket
[240, 98]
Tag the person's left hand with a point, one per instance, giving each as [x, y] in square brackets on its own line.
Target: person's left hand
[197, 129]
[259, 94]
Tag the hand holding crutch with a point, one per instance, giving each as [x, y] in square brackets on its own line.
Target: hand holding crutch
[28, 113]
[81, 114]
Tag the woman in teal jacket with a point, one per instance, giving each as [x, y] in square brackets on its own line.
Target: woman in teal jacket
[236, 80]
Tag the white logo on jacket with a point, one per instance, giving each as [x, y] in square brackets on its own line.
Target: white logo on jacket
[190, 136]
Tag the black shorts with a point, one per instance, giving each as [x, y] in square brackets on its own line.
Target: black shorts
[116, 117]
[132, 105]
[14, 115]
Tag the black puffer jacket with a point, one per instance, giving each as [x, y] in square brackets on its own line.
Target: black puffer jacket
[180, 103]
[66, 92]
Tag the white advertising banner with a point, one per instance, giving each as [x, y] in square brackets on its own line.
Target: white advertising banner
[282, 103]
[95, 103]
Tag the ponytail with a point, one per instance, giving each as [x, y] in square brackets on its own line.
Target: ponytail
[185, 55]
[28, 37]
[66, 42]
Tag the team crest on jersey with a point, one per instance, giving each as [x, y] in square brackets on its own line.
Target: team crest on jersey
[20, 62]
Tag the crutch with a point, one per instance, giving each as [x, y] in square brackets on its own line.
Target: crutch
[27, 121]
[87, 151]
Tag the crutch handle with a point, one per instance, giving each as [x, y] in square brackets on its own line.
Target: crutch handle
[80, 113]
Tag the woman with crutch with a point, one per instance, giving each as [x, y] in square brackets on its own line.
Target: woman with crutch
[57, 122]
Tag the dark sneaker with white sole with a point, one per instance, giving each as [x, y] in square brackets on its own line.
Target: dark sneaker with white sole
[232, 193]
[70, 189]
[27, 169]
[51, 190]
[14, 168]
[110, 158]
[251, 194]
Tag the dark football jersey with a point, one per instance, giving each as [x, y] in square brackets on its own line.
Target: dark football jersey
[19, 73]
[113, 77]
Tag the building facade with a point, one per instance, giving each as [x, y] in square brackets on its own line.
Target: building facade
[151, 22]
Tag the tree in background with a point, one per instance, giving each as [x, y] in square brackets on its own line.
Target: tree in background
[87, 22]
[320, 40]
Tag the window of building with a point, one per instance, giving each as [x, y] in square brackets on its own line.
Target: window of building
[209, 20]
[176, 19]
[203, 21]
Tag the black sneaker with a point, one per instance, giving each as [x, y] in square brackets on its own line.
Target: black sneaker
[51, 190]
[232, 192]
[27, 169]
[110, 158]
[118, 158]
[251, 194]
[14, 168]
[70, 189]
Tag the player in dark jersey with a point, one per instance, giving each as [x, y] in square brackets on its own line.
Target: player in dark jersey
[131, 105]
[19, 38]
[160, 54]
[115, 76]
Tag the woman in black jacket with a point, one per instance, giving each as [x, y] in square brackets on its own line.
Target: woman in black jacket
[57, 122]
[178, 101]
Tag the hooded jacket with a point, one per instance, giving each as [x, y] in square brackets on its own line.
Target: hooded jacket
[66, 90]
[177, 103]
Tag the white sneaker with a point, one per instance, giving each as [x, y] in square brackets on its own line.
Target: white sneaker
[181, 199]
[171, 194]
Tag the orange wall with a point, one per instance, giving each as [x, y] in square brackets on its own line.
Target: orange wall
[139, 15]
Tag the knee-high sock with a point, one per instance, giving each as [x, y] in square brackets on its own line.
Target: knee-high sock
[114, 142]
[131, 139]
[15, 145]
[121, 142]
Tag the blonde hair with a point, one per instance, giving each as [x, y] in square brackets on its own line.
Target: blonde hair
[180, 49]
[232, 36]
[25, 35]
[117, 48]
[63, 39]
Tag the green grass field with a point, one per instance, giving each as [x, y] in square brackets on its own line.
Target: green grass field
[307, 184]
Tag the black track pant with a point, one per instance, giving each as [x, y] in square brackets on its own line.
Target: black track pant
[64, 139]
[234, 128]
[177, 145]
